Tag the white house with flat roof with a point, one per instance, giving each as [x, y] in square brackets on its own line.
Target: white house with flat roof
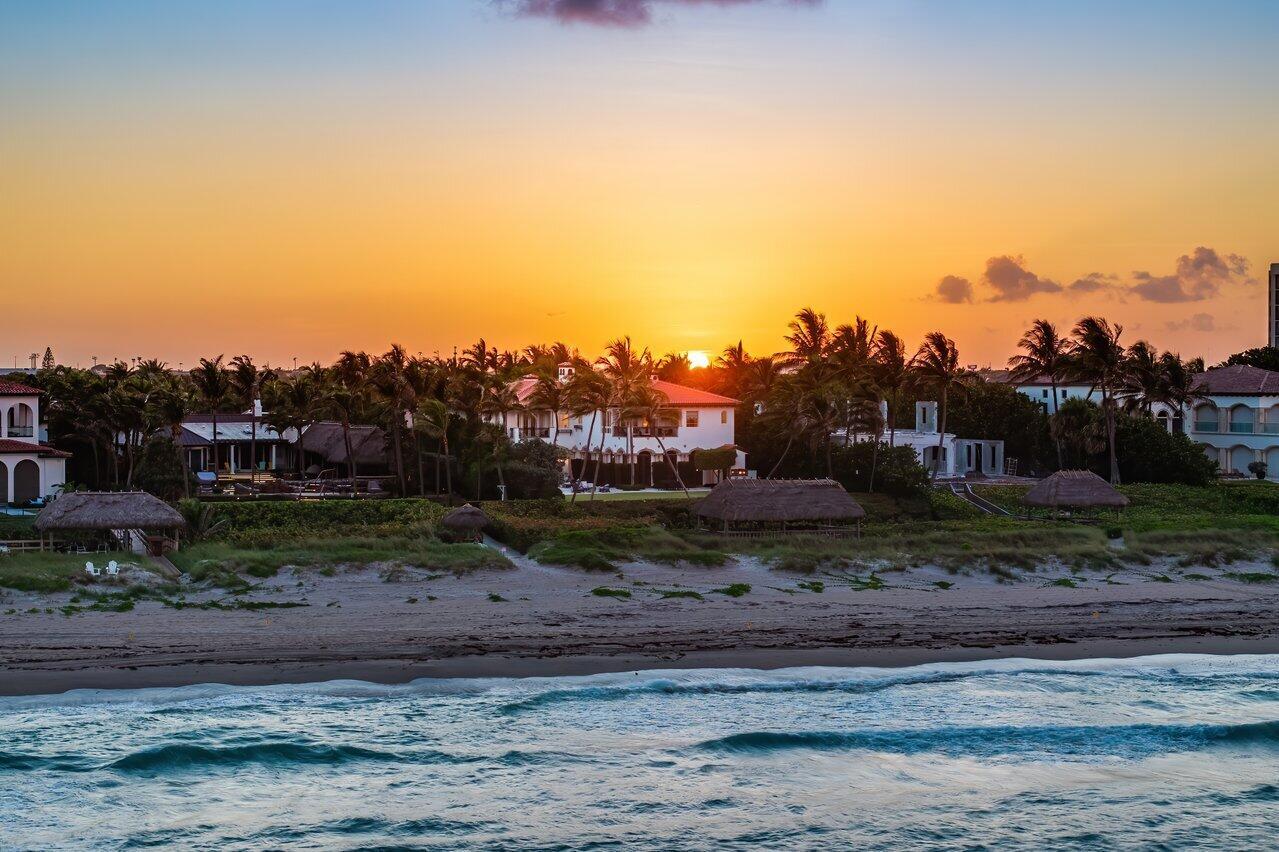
[960, 457]
[29, 470]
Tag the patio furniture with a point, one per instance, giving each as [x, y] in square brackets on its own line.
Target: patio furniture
[113, 568]
[92, 570]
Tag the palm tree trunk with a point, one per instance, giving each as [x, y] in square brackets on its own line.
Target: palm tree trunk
[350, 456]
[874, 463]
[1109, 402]
[175, 432]
[790, 439]
[941, 435]
[253, 443]
[674, 469]
[421, 471]
[215, 442]
[1052, 379]
[599, 461]
[448, 467]
[398, 449]
[589, 433]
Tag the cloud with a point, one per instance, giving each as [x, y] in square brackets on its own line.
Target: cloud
[1013, 282]
[1194, 322]
[1199, 276]
[616, 13]
[1093, 282]
[954, 290]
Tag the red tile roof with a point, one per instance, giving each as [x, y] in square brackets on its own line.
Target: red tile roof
[681, 395]
[675, 394]
[8, 388]
[9, 445]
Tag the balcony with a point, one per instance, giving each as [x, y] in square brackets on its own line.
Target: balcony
[1242, 428]
[21, 432]
[535, 432]
[647, 432]
[1206, 425]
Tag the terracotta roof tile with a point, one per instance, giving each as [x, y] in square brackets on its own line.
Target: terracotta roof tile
[8, 388]
[9, 445]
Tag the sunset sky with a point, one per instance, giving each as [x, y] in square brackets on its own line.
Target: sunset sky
[295, 178]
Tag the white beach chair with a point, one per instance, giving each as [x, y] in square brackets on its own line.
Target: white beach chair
[92, 570]
[112, 568]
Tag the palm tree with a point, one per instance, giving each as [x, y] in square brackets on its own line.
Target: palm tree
[892, 374]
[937, 366]
[389, 376]
[498, 401]
[733, 363]
[588, 392]
[652, 405]
[432, 417]
[295, 404]
[246, 381]
[1098, 358]
[627, 370]
[1046, 353]
[1143, 382]
[170, 406]
[809, 339]
[214, 386]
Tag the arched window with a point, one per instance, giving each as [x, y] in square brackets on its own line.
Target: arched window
[1241, 419]
[1206, 418]
[22, 421]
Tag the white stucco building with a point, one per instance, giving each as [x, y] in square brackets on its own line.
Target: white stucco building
[28, 469]
[697, 419]
[1237, 419]
[959, 456]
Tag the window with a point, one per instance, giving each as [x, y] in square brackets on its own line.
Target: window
[1044, 393]
[723, 416]
[690, 419]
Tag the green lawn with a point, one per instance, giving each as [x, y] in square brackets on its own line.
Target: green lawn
[694, 493]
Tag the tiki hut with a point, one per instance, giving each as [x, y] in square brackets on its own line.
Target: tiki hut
[768, 507]
[464, 523]
[136, 518]
[1073, 489]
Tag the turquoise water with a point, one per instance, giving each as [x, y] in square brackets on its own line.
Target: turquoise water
[1165, 752]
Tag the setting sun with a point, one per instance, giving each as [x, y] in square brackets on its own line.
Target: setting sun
[698, 359]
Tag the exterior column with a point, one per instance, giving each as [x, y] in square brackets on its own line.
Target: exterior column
[231, 459]
[8, 473]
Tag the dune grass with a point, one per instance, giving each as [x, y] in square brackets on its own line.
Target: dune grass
[217, 560]
[603, 549]
[40, 572]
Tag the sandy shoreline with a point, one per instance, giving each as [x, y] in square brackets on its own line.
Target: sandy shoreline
[545, 621]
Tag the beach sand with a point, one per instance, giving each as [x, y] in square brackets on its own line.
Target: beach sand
[357, 625]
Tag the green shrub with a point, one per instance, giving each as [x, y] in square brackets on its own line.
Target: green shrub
[264, 523]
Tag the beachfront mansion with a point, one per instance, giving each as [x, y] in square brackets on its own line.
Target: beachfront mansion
[29, 470]
[1235, 419]
[696, 420]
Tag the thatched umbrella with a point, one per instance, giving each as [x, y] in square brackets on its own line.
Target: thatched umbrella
[98, 511]
[1074, 489]
[779, 503]
[465, 522]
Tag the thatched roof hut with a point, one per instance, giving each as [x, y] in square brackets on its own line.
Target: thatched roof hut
[96, 510]
[1074, 489]
[464, 521]
[326, 439]
[789, 504]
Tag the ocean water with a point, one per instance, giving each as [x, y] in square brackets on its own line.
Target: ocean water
[1162, 752]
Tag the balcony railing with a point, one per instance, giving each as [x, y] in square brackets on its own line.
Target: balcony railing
[21, 432]
[1211, 426]
[535, 431]
[647, 432]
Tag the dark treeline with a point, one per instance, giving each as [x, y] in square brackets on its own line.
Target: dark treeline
[828, 405]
